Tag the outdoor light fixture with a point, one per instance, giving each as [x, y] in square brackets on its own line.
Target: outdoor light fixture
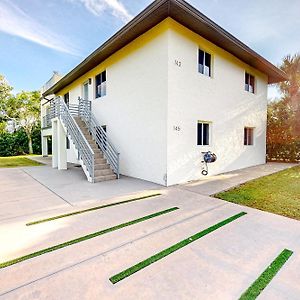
[90, 81]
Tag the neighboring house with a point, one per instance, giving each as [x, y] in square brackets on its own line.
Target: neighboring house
[168, 86]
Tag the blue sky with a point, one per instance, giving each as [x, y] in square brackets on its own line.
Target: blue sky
[38, 37]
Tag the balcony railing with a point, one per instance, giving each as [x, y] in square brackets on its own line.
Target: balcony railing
[46, 121]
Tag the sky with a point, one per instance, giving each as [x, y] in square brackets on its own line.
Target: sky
[38, 37]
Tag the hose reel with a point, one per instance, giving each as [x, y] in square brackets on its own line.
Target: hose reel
[208, 158]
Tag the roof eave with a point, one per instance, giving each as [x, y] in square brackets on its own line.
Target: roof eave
[188, 16]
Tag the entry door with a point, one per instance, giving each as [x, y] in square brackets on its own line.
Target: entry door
[85, 93]
[67, 99]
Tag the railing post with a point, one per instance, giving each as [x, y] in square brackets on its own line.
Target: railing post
[118, 165]
[90, 114]
[93, 168]
[79, 106]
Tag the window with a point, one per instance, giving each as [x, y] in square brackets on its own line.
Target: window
[248, 136]
[249, 83]
[101, 84]
[204, 63]
[203, 134]
[67, 98]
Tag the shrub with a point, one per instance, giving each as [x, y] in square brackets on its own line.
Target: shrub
[12, 144]
[282, 142]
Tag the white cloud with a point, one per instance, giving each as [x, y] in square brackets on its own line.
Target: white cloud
[14, 21]
[97, 7]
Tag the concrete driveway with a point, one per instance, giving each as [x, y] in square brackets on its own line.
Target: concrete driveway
[221, 265]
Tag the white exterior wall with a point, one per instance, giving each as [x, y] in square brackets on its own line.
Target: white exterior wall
[221, 100]
[135, 108]
[148, 94]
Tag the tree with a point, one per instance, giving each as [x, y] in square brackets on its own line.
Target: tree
[5, 94]
[283, 131]
[24, 109]
[281, 142]
[290, 89]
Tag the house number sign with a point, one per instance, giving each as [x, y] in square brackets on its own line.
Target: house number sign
[176, 128]
[178, 63]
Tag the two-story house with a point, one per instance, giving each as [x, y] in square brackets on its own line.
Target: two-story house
[168, 86]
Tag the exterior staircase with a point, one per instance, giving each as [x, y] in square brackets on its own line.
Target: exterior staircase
[102, 169]
[97, 155]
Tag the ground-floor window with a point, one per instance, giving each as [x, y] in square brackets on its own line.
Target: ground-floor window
[203, 133]
[248, 136]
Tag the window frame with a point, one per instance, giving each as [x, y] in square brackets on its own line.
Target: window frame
[200, 142]
[97, 95]
[247, 138]
[247, 83]
[205, 53]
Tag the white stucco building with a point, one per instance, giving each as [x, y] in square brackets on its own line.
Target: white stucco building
[168, 86]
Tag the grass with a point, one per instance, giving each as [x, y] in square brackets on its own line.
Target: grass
[84, 238]
[278, 193]
[265, 278]
[17, 161]
[145, 263]
[89, 210]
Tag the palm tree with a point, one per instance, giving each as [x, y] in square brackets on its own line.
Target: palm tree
[291, 88]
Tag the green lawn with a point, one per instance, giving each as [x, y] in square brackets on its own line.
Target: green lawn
[17, 161]
[278, 193]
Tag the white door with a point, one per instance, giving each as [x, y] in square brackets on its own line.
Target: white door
[85, 95]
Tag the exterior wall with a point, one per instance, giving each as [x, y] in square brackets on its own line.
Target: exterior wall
[220, 99]
[149, 96]
[135, 107]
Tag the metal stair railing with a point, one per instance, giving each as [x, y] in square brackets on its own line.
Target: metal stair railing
[60, 109]
[99, 135]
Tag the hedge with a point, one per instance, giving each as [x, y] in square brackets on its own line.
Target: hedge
[289, 152]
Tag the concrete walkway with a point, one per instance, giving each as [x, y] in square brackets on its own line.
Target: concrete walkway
[215, 184]
[221, 265]
[73, 186]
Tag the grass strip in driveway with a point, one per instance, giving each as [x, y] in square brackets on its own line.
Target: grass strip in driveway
[265, 278]
[84, 238]
[145, 263]
[90, 209]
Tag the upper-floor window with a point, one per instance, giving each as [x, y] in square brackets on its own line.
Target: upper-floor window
[203, 133]
[100, 85]
[67, 98]
[248, 136]
[249, 83]
[204, 63]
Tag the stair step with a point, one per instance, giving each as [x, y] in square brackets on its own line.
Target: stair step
[105, 172]
[101, 167]
[98, 154]
[100, 161]
[105, 178]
